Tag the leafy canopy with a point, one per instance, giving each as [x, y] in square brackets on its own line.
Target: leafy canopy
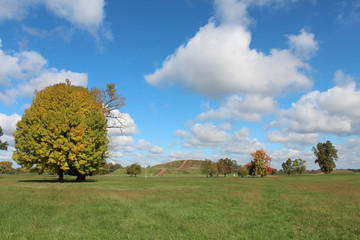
[242, 172]
[260, 163]
[6, 167]
[287, 166]
[224, 166]
[326, 155]
[208, 168]
[294, 167]
[133, 169]
[299, 166]
[64, 130]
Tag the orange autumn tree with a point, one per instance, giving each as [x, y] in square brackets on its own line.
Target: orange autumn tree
[63, 132]
[261, 163]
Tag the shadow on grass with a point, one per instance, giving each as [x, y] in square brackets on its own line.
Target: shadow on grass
[55, 180]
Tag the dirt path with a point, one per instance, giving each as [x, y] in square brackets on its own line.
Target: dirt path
[161, 172]
[183, 164]
[179, 167]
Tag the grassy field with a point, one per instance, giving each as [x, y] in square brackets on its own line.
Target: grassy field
[181, 207]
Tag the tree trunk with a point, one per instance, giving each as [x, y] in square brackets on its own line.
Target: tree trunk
[61, 175]
[80, 178]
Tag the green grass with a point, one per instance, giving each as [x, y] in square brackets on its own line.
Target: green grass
[180, 207]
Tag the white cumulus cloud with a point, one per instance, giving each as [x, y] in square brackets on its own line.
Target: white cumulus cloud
[247, 108]
[223, 140]
[218, 61]
[335, 111]
[303, 45]
[87, 14]
[204, 134]
[84, 14]
[285, 136]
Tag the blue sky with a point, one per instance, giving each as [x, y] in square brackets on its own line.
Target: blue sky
[202, 79]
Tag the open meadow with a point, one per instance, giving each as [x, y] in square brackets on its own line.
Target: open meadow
[179, 206]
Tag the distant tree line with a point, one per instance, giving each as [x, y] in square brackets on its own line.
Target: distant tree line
[260, 165]
[110, 167]
[325, 153]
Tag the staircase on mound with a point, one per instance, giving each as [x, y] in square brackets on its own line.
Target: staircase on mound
[183, 164]
[160, 172]
[179, 167]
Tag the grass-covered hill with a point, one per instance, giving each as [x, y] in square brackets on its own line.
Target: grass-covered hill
[179, 166]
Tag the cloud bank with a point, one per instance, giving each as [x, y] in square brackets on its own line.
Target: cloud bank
[87, 15]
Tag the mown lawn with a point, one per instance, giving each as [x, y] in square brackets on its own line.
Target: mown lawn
[181, 207]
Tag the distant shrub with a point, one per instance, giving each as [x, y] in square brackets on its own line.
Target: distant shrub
[242, 172]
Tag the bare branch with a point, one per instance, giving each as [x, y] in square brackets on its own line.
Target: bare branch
[111, 102]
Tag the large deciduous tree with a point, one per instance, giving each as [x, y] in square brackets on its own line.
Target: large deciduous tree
[326, 155]
[260, 163]
[64, 131]
[3, 145]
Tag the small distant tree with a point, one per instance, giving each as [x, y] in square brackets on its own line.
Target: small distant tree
[288, 167]
[242, 172]
[208, 168]
[3, 145]
[235, 167]
[225, 166]
[260, 163]
[133, 169]
[220, 167]
[299, 166]
[111, 167]
[326, 155]
[274, 171]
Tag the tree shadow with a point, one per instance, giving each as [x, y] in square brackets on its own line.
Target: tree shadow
[55, 180]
